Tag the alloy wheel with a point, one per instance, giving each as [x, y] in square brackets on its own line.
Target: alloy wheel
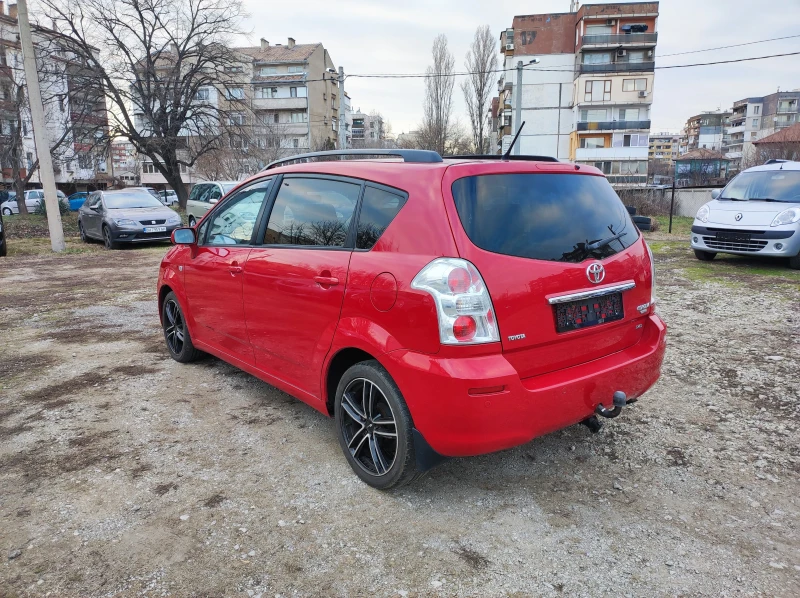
[369, 426]
[107, 238]
[7, 212]
[174, 327]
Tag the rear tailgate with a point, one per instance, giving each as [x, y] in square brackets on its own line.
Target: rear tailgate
[542, 217]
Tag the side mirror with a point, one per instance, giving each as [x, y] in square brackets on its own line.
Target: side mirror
[184, 236]
[213, 201]
[716, 193]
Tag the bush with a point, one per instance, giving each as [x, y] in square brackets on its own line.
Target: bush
[63, 207]
[648, 202]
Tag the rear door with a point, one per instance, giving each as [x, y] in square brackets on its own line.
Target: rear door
[294, 283]
[563, 292]
[213, 275]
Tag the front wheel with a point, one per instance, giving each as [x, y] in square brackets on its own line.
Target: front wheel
[7, 212]
[374, 427]
[107, 240]
[794, 262]
[192, 221]
[704, 256]
[176, 333]
[82, 232]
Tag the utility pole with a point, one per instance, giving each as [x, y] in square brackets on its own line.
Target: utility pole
[342, 117]
[46, 175]
[518, 105]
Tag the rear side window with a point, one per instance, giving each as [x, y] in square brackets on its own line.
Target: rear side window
[314, 212]
[378, 209]
[554, 217]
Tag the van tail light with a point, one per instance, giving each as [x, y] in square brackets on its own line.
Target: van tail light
[463, 305]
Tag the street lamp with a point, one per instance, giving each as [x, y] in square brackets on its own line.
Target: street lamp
[518, 102]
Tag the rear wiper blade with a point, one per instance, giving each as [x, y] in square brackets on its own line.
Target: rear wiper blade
[604, 242]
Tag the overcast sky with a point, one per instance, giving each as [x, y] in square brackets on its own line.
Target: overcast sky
[380, 36]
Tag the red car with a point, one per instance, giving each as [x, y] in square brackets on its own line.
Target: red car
[435, 307]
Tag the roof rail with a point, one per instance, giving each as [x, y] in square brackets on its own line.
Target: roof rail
[775, 161]
[498, 157]
[421, 156]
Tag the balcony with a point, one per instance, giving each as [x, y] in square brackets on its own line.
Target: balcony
[278, 103]
[611, 153]
[616, 125]
[625, 39]
[617, 67]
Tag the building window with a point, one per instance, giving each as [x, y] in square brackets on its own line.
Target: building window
[296, 69]
[264, 93]
[236, 119]
[755, 123]
[149, 168]
[630, 140]
[297, 92]
[295, 142]
[634, 85]
[629, 114]
[234, 69]
[756, 109]
[235, 93]
[594, 116]
[592, 142]
[267, 70]
[597, 91]
[299, 117]
[597, 58]
[202, 94]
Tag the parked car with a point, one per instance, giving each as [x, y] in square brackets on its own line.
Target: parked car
[3, 245]
[433, 307]
[33, 197]
[76, 200]
[168, 197]
[757, 213]
[125, 216]
[205, 195]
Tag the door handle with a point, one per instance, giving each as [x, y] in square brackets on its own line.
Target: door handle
[326, 280]
[235, 268]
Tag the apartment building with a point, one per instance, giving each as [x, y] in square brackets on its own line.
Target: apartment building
[663, 146]
[367, 130]
[589, 96]
[754, 118]
[284, 95]
[74, 106]
[708, 130]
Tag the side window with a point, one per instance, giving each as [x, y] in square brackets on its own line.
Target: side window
[234, 223]
[94, 200]
[197, 191]
[378, 209]
[213, 194]
[312, 212]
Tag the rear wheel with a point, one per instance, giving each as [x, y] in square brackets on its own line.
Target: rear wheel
[192, 221]
[374, 427]
[176, 333]
[704, 256]
[82, 232]
[107, 240]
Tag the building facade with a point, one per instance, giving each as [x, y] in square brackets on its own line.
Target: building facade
[588, 97]
[708, 130]
[367, 130]
[755, 118]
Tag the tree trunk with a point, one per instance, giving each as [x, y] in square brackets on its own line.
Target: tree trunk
[19, 183]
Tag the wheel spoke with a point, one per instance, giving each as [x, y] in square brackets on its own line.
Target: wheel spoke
[377, 456]
[354, 451]
[179, 334]
[170, 311]
[355, 437]
[386, 434]
[353, 411]
[364, 399]
[383, 422]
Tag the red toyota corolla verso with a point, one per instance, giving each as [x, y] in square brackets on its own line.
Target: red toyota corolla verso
[436, 308]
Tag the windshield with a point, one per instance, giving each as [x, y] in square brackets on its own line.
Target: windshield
[778, 185]
[226, 188]
[555, 217]
[140, 199]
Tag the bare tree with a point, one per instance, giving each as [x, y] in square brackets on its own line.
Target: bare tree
[481, 64]
[168, 72]
[436, 127]
[74, 110]
[774, 150]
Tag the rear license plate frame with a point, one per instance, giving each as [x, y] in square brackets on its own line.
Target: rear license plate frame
[586, 313]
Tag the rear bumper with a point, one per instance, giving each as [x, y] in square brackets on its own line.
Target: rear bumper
[458, 419]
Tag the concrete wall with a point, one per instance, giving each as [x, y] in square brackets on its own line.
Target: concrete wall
[688, 201]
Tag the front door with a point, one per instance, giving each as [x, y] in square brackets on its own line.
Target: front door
[213, 277]
[294, 283]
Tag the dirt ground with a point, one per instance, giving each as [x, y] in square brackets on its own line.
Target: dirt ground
[124, 473]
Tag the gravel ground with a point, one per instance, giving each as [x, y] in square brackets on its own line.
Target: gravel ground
[124, 473]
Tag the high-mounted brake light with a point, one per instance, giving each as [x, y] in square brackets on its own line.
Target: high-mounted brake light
[463, 305]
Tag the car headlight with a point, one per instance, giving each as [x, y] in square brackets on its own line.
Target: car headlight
[124, 222]
[174, 219]
[789, 216]
[703, 214]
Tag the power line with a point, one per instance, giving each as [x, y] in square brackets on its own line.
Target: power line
[761, 41]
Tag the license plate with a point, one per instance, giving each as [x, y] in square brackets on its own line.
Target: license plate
[155, 229]
[588, 312]
[725, 236]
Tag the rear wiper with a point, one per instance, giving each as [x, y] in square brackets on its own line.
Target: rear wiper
[604, 242]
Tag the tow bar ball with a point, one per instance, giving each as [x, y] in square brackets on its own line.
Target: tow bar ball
[620, 400]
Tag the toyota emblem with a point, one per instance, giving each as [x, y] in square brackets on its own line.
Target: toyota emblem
[595, 273]
[738, 217]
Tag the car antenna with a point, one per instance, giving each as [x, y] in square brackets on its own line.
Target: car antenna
[513, 141]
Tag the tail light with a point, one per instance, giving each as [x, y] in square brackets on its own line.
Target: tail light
[652, 279]
[463, 306]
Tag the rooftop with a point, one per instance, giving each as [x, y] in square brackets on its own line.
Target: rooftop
[702, 154]
[280, 53]
[787, 135]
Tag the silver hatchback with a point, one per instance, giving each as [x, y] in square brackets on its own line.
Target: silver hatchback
[757, 213]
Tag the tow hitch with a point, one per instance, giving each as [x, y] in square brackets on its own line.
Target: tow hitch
[594, 424]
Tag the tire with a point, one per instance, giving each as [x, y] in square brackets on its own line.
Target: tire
[641, 222]
[107, 240]
[176, 333]
[7, 212]
[192, 221]
[704, 256]
[372, 454]
[794, 262]
[82, 232]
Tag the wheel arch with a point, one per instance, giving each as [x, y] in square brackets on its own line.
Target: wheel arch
[342, 361]
[162, 293]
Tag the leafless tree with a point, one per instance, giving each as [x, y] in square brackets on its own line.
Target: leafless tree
[74, 110]
[760, 153]
[436, 127]
[481, 64]
[166, 67]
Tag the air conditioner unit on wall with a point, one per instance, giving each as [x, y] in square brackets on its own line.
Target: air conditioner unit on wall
[642, 94]
[622, 52]
[610, 22]
[509, 46]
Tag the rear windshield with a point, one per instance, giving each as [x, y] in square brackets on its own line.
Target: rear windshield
[554, 217]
